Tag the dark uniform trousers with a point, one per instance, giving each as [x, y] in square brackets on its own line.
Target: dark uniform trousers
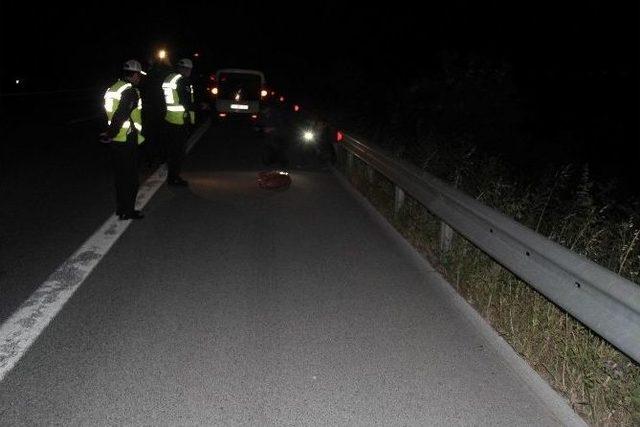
[124, 156]
[176, 141]
[275, 150]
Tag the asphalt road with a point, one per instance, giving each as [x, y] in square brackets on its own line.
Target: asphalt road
[232, 305]
[55, 189]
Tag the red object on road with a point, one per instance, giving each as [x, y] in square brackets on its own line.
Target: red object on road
[273, 180]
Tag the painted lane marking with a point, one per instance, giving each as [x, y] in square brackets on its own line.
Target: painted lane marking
[24, 326]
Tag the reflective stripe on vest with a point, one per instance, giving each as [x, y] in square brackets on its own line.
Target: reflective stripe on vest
[127, 125]
[176, 112]
[192, 114]
[112, 98]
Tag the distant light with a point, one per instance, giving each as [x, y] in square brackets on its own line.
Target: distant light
[339, 136]
[273, 93]
[237, 97]
[222, 114]
[263, 93]
[162, 54]
[214, 91]
[308, 135]
[17, 81]
[254, 116]
[282, 99]
[296, 108]
[196, 55]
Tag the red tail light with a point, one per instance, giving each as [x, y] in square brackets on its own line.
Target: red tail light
[339, 136]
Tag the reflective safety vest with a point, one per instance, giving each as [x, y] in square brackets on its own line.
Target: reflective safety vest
[176, 113]
[112, 98]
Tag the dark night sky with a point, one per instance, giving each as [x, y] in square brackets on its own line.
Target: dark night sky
[569, 36]
[579, 56]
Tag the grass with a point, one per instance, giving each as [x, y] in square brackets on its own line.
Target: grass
[599, 382]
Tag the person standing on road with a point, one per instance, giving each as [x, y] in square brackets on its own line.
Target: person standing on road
[179, 118]
[154, 111]
[274, 124]
[123, 106]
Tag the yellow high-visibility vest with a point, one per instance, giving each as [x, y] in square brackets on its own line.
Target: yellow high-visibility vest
[112, 98]
[176, 113]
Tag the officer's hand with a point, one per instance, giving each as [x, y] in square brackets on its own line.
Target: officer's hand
[103, 138]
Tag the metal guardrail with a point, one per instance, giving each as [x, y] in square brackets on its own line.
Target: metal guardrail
[605, 302]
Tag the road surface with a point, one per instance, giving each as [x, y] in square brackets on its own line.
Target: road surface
[232, 305]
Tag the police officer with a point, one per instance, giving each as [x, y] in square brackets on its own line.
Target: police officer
[123, 107]
[179, 118]
[275, 125]
[154, 111]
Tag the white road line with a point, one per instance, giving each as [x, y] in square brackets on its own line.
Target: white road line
[197, 135]
[21, 330]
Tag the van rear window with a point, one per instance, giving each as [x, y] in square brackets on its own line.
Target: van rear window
[248, 85]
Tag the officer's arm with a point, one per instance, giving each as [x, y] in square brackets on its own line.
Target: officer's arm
[128, 102]
[184, 92]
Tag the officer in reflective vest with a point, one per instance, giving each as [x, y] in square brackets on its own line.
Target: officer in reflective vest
[179, 118]
[123, 107]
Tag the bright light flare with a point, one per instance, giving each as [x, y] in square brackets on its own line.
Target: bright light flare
[308, 135]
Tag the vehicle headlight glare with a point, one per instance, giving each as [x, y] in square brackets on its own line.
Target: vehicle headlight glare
[308, 135]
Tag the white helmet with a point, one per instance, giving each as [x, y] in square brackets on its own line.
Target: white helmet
[185, 62]
[133, 65]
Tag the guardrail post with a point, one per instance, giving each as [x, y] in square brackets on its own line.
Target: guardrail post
[349, 162]
[446, 237]
[371, 174]
[398, 200]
